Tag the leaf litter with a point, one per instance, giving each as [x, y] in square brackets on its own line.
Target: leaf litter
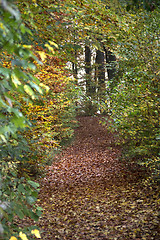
[89, 193]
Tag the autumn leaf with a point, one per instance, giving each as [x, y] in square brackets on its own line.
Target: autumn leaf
[44, 86]
[23, 236]
[36, 233]
[53, 43]
[49, 48]
[29, 91]
[13, 238]
[42, 55]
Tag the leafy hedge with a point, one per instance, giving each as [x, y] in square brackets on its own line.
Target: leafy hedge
[52, 116]
[23, 107]
[135, 100]
[18, 195]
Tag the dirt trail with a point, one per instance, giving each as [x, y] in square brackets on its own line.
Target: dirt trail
[89, 194]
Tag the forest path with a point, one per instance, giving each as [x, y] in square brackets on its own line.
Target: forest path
[89, 194]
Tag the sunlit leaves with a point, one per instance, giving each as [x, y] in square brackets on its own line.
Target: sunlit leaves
[42, 55]
[50, 48]
[53, 43]
[23, 236]
[36, 233]
[13, 238]
[51, 115]
[44, 87]
[29, 91]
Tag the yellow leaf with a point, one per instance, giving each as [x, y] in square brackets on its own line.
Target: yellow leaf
[27, 46]
[49, 48]
[44, 86]
[35, 1]
[36, 233]
[2, 26]
[3, 137]
[42, 55]
[15, 80]
[53, 43]
[29, 91]
[13, 238]
[23, 236]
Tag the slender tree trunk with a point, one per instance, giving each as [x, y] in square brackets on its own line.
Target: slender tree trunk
[90, 84]
[74, 65]
[111, 69]
[88, 70]
[100, 74]
[110, 59]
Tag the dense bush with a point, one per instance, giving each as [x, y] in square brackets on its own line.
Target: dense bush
[52, 116]
[18, 195]
[135, 101]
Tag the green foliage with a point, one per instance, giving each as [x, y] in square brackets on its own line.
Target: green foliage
[17, 153]
[17, 62]
[148, 5]
[23, 149]
[18, 195]
[135, 101]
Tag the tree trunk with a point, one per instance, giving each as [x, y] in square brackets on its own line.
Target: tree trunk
[74, 65]
[111, 69]
[90, 84]
[100, 74]
[110, 60]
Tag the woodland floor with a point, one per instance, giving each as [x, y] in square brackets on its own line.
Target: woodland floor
[88, 193]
